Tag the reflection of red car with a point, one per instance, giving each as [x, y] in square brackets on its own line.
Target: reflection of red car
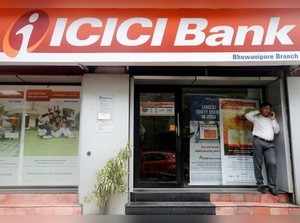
[156, 163]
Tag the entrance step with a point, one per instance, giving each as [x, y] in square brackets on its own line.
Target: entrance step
[171, 196]
[39, 204]
[213, 203]
[209, 208]
[169, 208]
[176, 196]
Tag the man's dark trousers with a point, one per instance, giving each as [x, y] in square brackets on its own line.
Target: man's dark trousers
[264, 151]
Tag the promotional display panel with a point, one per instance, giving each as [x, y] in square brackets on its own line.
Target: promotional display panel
[220, 141]
[236, 145]
[11, 109]
[51, 137]
[205, 158]
[39, 133]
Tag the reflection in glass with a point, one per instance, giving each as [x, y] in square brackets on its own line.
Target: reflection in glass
[157, 133]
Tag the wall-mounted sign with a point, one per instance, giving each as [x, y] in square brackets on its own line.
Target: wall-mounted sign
[105, 108]
[105, 111]
[127, 36]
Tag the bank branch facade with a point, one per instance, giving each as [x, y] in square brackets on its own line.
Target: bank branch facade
[77, 85]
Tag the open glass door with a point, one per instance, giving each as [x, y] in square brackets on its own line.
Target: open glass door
[275, 94]
[156, 139]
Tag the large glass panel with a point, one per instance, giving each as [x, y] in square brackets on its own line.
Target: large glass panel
[205, 151]
[39, 129]
[51, 136]
[11, 108]
[157, 136]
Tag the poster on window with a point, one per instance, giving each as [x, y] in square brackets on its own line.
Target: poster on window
[11, 108]
[236, 143]
[205, 158]
[51, 137]
[157, 108]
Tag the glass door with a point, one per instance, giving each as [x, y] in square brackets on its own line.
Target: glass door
[156, 139]
[193, 136]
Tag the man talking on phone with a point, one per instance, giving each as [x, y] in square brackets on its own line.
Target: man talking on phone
[265, 126]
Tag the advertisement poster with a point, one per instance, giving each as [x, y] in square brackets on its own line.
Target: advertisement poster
[205, 154]
[11, 108]
[236, 141]
[51, 137]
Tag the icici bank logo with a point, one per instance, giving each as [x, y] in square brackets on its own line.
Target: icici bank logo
[26, 33]
[70, 33]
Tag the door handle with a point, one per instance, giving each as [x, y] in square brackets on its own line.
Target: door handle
[178, 124]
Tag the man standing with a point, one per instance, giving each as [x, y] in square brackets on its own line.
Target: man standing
[265, 126]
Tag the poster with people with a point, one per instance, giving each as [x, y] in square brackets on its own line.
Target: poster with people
[205, 154]
[236, 141]
[11, 108]
[51, 137]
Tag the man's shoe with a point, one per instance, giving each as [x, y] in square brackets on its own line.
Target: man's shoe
[274, 191]
[262, 189]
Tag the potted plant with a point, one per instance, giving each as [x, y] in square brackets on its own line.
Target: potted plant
[110, 180]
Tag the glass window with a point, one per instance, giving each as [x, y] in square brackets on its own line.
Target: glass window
[217, 145]
[39, 129]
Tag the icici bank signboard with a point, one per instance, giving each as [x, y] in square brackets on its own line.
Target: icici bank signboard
[150, 36]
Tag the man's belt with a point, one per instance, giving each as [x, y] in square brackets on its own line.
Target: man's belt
[262, 139]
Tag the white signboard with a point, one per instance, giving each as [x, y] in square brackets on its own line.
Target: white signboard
[105, 119]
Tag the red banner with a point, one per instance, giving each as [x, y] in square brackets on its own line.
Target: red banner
[47, 94]
[70, 33]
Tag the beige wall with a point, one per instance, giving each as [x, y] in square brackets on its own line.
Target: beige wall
[102, 146]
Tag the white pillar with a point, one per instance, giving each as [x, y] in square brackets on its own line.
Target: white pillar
[102, 146]
[294, 108]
